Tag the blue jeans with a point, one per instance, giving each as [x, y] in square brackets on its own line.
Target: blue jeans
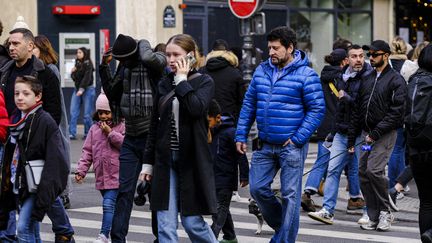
[283, 218]
[319, 169]
[88, 98]
[131, 157]
[335, 168]
[195, 226]
[11, 228]
[59, 218]
[28, 229]
[108, 205]
[396, 163]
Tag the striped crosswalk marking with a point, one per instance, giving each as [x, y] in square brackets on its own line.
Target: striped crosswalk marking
[244, 227]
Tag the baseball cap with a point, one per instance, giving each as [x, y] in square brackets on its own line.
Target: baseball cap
[378, 45]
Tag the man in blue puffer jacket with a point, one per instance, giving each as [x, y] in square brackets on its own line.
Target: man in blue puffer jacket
[286, 99]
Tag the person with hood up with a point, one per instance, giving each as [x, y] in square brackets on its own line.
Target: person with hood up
[230, 87]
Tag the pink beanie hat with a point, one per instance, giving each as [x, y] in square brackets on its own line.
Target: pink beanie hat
[102, 103]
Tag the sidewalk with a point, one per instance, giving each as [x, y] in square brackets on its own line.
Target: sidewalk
[408, 206]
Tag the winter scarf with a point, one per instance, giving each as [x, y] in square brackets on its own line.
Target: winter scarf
[17, 130]
[140, 93]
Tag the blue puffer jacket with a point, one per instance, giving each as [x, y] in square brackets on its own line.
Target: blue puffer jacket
[287, 103]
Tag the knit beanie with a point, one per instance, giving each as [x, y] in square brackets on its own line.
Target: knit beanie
[124, 46]
[102, 103]
[20, 24]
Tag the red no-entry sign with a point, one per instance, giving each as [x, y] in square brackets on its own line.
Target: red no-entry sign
[244, 8]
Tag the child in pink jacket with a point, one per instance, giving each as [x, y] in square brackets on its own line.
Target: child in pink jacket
[102, 148]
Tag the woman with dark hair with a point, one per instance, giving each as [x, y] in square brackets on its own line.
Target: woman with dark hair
[82, 75]
[177, 156]
[418, 125]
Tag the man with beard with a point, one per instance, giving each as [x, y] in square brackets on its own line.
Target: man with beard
[286, 99]
[379, 112]
[348, 86]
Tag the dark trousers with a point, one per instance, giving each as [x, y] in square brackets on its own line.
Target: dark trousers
[373, 180]
[222, 220]
[131, 156]
[421, 166]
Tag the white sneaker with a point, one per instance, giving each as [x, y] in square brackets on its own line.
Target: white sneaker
[385, 221]
[101, 239]
[323, 216]
[236, 197]
[364, 219]
[406, 189]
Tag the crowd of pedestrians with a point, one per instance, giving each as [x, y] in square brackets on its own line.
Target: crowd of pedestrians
[180, 122]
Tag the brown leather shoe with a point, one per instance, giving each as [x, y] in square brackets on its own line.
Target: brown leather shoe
[307, 204]
[353, 205]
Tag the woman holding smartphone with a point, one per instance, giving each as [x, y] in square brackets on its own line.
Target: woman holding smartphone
[177, 156]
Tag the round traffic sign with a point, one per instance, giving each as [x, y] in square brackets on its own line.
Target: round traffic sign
[244, 8]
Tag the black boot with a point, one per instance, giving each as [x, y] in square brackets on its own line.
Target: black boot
[426, 237]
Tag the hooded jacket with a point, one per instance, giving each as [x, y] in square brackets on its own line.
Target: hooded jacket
[103, 152]
[229, 84]
[287, 103]
[227, 160]
[329, 74]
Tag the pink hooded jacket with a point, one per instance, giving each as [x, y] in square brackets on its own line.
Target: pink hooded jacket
[104, 153]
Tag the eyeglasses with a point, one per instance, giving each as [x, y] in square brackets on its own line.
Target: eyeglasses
[374, 54]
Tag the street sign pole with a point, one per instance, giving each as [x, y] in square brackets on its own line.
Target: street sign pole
[245, 10]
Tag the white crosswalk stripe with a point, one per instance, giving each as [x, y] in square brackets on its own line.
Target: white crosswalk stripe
[90, 218]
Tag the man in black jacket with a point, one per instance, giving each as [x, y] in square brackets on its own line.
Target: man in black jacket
[379, 112]
[24, 63]
[21, 44]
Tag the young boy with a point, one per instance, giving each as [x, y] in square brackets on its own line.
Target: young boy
[34, 136]
[226, 165]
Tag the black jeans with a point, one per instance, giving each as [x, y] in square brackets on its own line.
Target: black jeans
[222, 219]
[131, 156]
[421, 166]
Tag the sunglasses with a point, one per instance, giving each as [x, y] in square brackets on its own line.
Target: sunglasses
[375, 54]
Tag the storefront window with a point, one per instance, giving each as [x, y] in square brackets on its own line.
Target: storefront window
[314, 35]
[311, 3]
[355, 27]
[354, 4]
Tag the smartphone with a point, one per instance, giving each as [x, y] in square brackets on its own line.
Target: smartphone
[191, 59]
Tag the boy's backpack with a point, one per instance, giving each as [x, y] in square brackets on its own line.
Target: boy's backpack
[418, 116]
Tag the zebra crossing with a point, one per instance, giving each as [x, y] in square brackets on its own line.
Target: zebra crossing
[87, 222]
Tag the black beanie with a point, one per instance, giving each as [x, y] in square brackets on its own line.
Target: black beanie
[124, 46]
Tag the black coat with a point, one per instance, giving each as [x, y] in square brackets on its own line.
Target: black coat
[83, 75]
[380, 106]
[329, 74]
[197, 194]
[347, 103]
[44, 142]
[227, 160]
[4, 56]
[230, 87]
[51, 97]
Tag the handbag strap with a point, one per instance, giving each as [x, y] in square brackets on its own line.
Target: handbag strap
[168, 96]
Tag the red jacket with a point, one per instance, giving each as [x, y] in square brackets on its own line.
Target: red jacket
[4, 120]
